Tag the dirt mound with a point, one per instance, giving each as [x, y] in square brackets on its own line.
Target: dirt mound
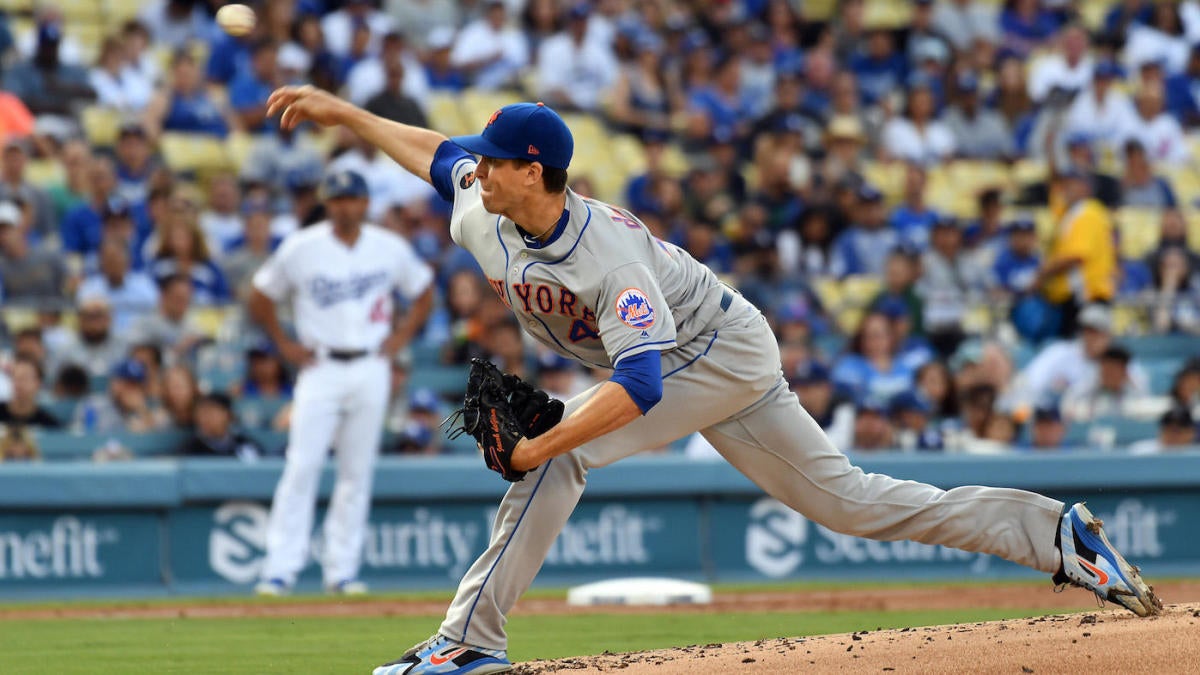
[1113, 640]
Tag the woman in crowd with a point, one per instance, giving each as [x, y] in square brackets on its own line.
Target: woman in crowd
[186, 105]
[870, 368]
[182, 249]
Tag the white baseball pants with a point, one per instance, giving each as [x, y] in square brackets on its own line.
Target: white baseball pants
[728, 385]
[338, 404]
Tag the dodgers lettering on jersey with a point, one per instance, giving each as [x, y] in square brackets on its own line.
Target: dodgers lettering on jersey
[343, 296]
[602, 289]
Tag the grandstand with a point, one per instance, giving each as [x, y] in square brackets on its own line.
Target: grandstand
[846, 165]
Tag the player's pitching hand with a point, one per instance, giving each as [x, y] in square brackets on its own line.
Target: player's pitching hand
[305, 104]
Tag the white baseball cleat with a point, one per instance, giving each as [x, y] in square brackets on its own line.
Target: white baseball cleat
[347, 587]
[442, 656]
[1090, 561]
[272, 588]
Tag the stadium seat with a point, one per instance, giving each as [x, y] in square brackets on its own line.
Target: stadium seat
[447, 381]
[100, 125]
[62, 445]
[17, 6]
[272, 442]
[445, 114]
[1129, 320]
[1185, 180]
[1139, 229]
[117, 12]
[1162, 347]
[63, 411]
[44, 172]
[858, 290]
[194, 153]
[627, 150]
[258, 413]
[888, 177]
[463, 446]
[1028, 171]
[1161, 373]
[828, 291]
[81, 11]
[478, 105]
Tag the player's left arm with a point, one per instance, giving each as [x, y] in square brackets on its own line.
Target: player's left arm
[636, 325]
[416, 316]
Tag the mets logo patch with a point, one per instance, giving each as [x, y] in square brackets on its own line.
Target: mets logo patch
[467, 180]
[634, 309]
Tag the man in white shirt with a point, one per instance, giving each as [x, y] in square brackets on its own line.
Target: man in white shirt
[1176, 431]
[490, 50]
[388, 184]
[368, 76]
[341, 276]
[575, 71]
[1102, 112]
[1070, 69]
[1158, 131]
[222, 221]
[1073, 363]
[130, 294]
[963, 22]
[338, 27]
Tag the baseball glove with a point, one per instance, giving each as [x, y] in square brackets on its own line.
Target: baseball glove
[498, 411]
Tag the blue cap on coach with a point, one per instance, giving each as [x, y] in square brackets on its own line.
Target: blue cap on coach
[343, 184]
[530, 131]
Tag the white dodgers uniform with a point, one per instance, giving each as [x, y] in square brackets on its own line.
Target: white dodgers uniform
[603, 289]
[342, 299]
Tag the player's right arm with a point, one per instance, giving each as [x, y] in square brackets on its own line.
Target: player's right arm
[411, 147]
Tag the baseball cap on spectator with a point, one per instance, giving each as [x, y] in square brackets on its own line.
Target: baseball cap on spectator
[919, 80]
[1177, 417]
[907, 401]
[1047, 413]
[131, 127]
[795, 309]
[1021, 224]
[947, 221]
[260, 348]
[9, 213]
[809, 372]
[869, 194]
[969, 352]
[906, 248]
[550, 362]
[1077, 138]
[131, 370]
[423, 400]
[1097, 317]
[441, 38]
[217, 398]
[872, 404]
[1116, 353]
[648, 42]
[256, 205]
[968, 83]
[302, 178]
[579, 10]
[529, 131]
[1106, 70]
[931, 50]
[892, 308]
[845, 128]
[340, 184]
[116, 208]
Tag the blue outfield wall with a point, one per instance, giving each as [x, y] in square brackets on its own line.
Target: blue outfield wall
[198, 526]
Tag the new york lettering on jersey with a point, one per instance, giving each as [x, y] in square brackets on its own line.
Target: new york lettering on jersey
[593, 307]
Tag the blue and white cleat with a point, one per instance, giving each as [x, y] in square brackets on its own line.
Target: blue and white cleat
[442, 656]
[272, 588]
[1090, 561]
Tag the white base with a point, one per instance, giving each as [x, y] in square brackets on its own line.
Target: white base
[640, 591]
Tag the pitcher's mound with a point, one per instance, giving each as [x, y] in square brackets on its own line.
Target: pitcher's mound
[1105, 641]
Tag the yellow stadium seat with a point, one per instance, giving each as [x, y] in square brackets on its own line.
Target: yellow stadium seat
[1139, 230]
[627, 151]
[238, 146]
[209, 319]
[14, 6]
[117, 12]
[1193, 230]
[847, 320]
[100, 125]
[478, 105]
[1129, 320]
[888, 177]
[1092, 14]
[1029, 171]
[44, 172]
[194, 152]
[81, 11]
[674, 162]
[859, 290]
[828, 291]
[18, 318]
[445, 115]
[1185, 180]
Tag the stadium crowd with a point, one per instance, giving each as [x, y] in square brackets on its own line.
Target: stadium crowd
[972, 224]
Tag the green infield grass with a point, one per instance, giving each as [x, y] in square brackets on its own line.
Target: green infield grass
[355, 645]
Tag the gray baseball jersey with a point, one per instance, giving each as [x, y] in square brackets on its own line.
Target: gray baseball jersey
[603, 288]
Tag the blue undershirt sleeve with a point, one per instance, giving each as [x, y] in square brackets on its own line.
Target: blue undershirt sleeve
[441, 170]
[641, 375]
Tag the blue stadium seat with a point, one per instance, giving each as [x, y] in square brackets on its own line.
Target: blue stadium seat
[272, 442]
[447, 381]
[64, 411]
[258, 413]
[1161, 373]
[1146, 347]
[63, 445]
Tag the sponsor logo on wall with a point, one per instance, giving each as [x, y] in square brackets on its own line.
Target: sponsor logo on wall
[780, 542]
[69, 548]
[428, 540]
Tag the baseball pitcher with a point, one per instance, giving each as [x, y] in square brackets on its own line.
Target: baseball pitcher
[688, 354]
[340, 275]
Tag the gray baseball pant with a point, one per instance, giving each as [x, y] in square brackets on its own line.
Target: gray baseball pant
[728, 385]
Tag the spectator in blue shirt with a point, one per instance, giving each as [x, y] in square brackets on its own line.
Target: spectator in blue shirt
[1026, 26]
[880, 68]
[227, 56]
[911, 417]
[135, 163]
[870, 367]
[251, 87]
[442, 75]
[129, 293]
[913, 218]
[1139, 186]
[1017, 265]
[720, 110]
[186, 106]
[81, 226]
[1125, 14]
[1183, 91]
[182, 250]
[864, 247]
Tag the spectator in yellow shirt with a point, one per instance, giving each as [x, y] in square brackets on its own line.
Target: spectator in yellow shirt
[1082, 265]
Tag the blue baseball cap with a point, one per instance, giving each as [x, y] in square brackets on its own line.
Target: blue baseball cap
[892, 307]
[343, 184]
[129, 369]
[550, 362]
[909, 401]
[529, 131]
[868, 193]
[1106, 69]
[423, 400]
[810, 372]
[1021, 224]
[872, 403]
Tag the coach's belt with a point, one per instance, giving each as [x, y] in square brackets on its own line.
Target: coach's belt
[346, 354]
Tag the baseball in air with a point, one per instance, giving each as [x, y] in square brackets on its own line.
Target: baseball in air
[237, 20]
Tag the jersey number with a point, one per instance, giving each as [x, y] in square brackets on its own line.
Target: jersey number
[580, 330]
[379, 311]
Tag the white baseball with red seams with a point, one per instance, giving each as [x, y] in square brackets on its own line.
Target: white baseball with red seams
[237, 20]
